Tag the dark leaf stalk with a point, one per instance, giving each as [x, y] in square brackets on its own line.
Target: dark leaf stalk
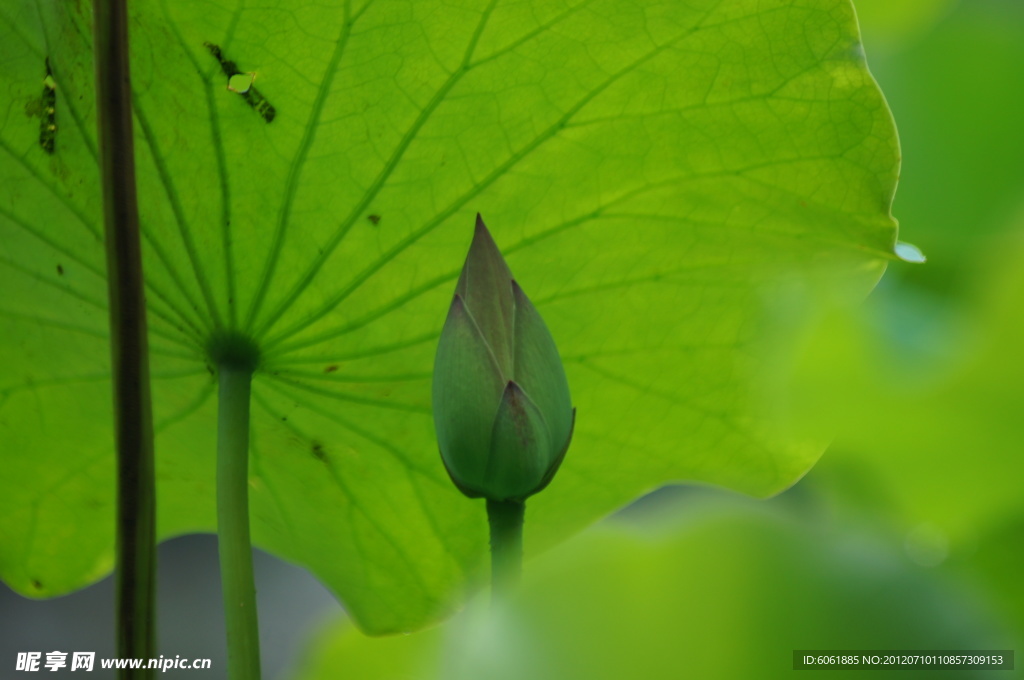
[136, 490]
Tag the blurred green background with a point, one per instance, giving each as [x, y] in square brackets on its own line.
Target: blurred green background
[909, 533]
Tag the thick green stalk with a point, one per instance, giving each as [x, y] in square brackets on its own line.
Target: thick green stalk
[136, 488]
[233, 523]
[506, 522]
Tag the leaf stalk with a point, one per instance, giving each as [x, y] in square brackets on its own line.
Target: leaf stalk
[506, 523]
[234, 545]
[136, 487]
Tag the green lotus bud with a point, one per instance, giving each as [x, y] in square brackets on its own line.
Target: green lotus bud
[501, 401]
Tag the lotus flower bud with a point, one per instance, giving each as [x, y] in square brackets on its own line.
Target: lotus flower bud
[501, 401]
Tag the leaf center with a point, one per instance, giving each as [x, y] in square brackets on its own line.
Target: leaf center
[233, 349]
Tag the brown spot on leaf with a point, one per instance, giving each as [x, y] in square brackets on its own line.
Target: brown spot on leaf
[318, 451]
[331, 369]
[374, 218]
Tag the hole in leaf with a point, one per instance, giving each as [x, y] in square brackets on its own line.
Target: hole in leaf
[241, 82]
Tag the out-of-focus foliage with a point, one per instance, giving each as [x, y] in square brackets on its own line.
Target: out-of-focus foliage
[957, 97]
[929, 401]
[924, 382]
[893, 25]
[728, 593]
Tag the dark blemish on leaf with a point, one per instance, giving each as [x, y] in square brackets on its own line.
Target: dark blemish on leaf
[60, 270]
[331, 369]
[241, 83]
[260, 104]
[48, 112]
[374, 218]
[284, 418]
[227, 66]
[318, 451]
[37, 585]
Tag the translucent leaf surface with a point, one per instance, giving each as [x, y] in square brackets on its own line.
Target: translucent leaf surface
[650, 170]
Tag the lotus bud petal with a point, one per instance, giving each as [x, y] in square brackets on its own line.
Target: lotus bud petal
[502, 409]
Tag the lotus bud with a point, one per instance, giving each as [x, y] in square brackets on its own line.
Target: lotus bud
[501, 401]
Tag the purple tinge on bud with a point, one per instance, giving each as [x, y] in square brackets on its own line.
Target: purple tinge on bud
[502, 409]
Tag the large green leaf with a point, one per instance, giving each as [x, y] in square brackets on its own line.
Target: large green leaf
[651, 171]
